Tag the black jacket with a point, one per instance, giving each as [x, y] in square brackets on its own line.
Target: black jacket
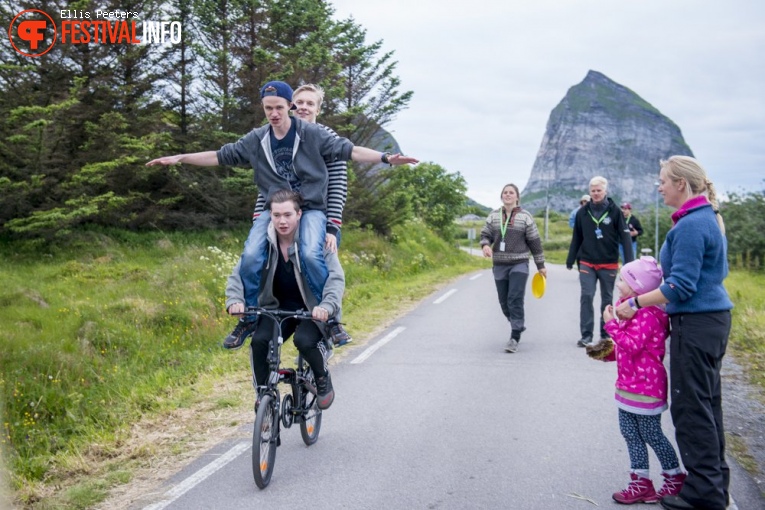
[637, 226]
[587, 247]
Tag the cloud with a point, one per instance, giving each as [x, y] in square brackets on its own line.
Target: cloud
[486, 75]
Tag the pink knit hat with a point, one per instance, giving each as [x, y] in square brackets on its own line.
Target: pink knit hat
[642, 275]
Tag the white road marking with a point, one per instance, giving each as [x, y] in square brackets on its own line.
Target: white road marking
[371, 350]
[200, 476]
[444, 297]
[477, 276]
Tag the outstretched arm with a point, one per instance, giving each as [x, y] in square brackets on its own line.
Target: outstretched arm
[365, 155]
[207, 158]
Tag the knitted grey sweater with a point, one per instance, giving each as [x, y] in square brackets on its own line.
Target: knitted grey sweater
[521, 238]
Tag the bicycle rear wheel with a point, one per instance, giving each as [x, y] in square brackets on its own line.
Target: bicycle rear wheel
[264, 438]
[310, 423]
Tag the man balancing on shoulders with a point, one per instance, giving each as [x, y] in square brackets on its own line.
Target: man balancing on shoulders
[286, 153]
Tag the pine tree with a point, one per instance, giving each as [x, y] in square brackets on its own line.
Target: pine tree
[79, 123]
[371, 97]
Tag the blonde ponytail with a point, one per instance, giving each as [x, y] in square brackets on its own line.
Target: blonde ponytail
[712, 196]
[690, 171]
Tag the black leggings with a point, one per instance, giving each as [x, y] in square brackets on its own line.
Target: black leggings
[307, 339]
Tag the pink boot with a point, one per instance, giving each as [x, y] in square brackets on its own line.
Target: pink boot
[672, 485]
[640, 490]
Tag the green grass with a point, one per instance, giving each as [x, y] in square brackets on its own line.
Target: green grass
[91, 342]
[117, 327]
[747, 339]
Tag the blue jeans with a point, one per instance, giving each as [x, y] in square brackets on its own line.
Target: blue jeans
[313, 226]
[635, 254]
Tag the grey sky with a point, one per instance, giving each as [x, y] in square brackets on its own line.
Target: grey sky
[487, 73]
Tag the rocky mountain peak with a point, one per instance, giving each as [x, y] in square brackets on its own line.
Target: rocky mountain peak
[601, 128]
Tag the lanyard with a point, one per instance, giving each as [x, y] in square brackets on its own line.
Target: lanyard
[503, 228]
[597, 222]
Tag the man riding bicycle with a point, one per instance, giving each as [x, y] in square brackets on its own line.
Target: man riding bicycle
[285, 286]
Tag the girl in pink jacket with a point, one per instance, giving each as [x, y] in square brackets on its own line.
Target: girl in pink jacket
[641, 384]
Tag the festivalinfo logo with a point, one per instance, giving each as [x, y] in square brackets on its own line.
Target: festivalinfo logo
[34, 33]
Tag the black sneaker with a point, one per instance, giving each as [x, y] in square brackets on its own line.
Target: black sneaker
[236, 338]
[339, 335]
[325, 391]
[584, 341]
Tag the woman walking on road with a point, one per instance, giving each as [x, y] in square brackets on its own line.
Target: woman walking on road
[694, 262]
[508, 237]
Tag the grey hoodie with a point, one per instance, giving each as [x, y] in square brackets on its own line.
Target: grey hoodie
[333, 289]
[314, 148]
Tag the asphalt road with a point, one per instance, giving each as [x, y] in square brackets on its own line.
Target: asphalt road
[434, 414]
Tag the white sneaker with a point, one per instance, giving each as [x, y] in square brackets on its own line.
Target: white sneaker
[512, 345]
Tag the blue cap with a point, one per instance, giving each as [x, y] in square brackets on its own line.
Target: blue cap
[278, 89]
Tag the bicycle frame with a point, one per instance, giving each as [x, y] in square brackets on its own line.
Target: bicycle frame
[271, 411]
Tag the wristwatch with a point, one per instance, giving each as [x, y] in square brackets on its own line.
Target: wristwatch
[384, 158]
[633, 304]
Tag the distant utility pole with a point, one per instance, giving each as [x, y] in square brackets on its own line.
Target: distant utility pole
[656, 226]
[547, 210]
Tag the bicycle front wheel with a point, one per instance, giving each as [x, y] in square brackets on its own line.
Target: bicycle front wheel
[264, 439]
[310, 422]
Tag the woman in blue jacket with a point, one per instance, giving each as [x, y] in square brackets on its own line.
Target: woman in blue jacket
[694, 263]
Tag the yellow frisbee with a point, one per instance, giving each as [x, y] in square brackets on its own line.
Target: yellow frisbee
[538, 283]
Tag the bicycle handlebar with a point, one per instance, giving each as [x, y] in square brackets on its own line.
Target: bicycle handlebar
[254, 310]
[282, 314]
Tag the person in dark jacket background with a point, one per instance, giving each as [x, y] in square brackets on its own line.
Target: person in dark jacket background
[599, 230]
[636, 229]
